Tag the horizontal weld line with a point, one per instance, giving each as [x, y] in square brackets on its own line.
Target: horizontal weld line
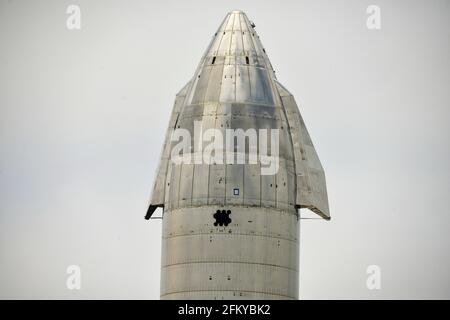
[250, 115]
[227, 234]
[286, 211]
[237, 262]
[227, 290]
[252, 103]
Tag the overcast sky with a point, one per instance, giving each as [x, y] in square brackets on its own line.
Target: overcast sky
[83, 115]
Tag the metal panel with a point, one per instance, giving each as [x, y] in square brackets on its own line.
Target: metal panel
[159, 185]
[268, 191]
[202, 85]
[208, 122]
[257, 253]
[168, 187]
[223, 109]
[291, 181]
[286, 151]
[243, 92]
[228, 90]
[209, 109]
[175, 185]
[230, 22]
[237, 22]
[225, 43]
[281, 185]
[246, 37]
[211, 248]
[192, 87]
[216, 184]
[257, 86]
[224, 23]
[262, 76]
[234, 184]
[252, 184]
[236, 42]
[311, 185]
[185, 193]
[200, 184]
[213, 91]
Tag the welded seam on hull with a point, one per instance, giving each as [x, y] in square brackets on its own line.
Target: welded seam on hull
[231, 262]
[246, 206]
[257, 104]
[228, 234]
[246, 66]
[226, 290]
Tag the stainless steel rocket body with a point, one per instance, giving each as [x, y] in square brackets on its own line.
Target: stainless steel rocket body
[229, 231]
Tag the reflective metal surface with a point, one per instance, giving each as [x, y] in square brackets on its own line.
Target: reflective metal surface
[256, 254]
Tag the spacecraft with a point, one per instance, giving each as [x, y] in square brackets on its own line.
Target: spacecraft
[237, 165]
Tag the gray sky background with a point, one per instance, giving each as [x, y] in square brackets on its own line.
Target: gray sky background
[83, 115]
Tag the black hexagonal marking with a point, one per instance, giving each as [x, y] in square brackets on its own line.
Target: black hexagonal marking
[222, 217]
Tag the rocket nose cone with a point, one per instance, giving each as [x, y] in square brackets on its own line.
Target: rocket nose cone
[235, 20]
[234, 67]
